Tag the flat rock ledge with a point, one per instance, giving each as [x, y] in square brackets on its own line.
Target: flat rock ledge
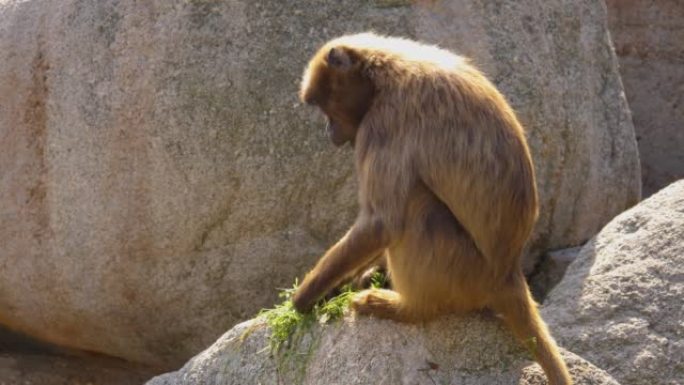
[476, 349]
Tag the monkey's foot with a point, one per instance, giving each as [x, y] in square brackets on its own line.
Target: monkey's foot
[380, 303]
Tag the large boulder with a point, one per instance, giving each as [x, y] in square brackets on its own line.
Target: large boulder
[649, 41]
[155, 161]
[550, 271]
[621, 303]
[39, 369]
[25, 361]
[471, 350]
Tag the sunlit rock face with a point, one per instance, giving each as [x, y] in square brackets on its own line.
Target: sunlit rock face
[160, 180]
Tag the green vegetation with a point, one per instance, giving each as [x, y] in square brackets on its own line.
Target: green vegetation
[285, 322]
[289, 342]
[378, 280]
[288, 327]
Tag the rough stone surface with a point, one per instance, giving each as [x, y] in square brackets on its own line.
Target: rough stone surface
[621, 303]
[25, 361]
[155, 162]
[471, 350]
[38, 369]
[550, 271]
[649, 41]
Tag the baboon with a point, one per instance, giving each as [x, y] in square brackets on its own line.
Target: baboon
[447, 189]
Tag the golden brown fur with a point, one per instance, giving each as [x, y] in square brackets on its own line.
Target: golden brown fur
[446, 186]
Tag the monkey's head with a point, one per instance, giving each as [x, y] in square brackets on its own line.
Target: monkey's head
[335, 81]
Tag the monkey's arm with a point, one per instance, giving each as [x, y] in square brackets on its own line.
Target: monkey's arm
[362, 243]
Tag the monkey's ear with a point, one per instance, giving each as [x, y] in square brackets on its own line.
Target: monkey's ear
[339, 58]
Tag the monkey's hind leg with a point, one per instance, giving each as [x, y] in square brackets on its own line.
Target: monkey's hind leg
[380, 303]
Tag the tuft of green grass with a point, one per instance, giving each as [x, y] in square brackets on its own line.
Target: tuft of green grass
[378, 280]
[285, 321]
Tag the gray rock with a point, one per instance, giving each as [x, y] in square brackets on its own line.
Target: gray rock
[621, 303]
[45, 369]
[155, 162]
[550, 271]
[649, 41]
[469, 350]
[25, 361]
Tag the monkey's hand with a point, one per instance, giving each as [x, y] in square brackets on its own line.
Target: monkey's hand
[360, 246]
[306, 295]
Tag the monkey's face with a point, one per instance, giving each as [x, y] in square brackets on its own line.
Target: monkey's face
[334, 81]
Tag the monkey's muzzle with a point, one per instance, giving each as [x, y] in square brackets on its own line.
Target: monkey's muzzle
[335, 133]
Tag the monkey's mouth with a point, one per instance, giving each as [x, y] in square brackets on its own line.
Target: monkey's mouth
[335, 132]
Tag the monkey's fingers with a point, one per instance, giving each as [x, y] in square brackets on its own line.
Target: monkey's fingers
[305, 298]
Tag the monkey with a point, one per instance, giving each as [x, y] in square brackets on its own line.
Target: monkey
[447, 189]
[374, 274]
[365, 277]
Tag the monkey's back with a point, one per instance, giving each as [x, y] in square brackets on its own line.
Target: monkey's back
[450, 125]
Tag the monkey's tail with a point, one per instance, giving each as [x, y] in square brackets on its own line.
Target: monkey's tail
[520, 313]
